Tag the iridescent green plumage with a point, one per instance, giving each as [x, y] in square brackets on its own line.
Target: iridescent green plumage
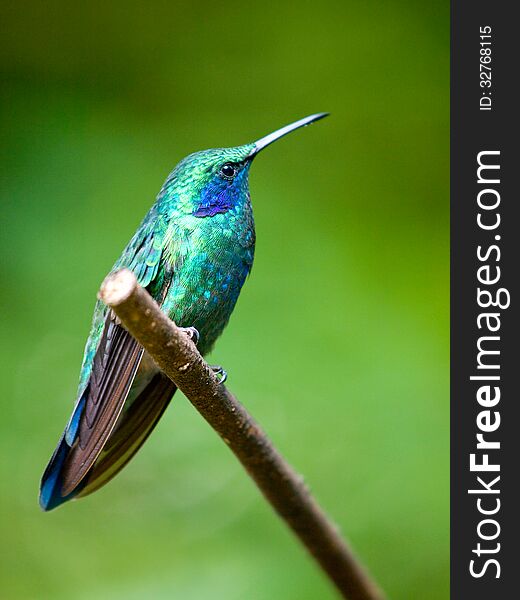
[195, 266]
[193, 252]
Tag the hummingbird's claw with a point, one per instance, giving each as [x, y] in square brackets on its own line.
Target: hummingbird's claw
[192, 333]
[220, 373]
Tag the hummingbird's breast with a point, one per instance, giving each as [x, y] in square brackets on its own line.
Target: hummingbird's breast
[214, 259]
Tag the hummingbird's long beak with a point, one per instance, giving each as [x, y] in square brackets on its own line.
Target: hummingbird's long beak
[276, 135]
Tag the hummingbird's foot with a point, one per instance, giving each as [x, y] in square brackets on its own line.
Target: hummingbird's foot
[192, 333]
[220, 373]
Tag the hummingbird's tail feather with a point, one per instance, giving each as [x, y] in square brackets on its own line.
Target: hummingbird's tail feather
[50, 489]
[50, 496]
[132, 430]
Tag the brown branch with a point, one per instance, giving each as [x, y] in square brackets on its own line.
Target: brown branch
[180, 360]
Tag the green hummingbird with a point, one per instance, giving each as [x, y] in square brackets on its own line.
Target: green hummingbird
[192, 252]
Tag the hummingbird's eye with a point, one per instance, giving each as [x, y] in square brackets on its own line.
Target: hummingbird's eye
[228, 171]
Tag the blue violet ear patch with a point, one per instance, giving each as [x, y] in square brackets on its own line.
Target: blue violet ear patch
[222, 194]
[214, 204]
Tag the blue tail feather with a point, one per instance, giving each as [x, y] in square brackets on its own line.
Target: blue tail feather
[72, 427]
[50, 488]
[50, 496]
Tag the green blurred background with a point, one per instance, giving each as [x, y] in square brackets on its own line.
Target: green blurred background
[339, 342]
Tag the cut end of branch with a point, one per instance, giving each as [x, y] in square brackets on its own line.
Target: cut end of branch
[117, 287]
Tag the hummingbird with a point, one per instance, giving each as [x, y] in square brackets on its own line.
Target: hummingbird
[192, 252]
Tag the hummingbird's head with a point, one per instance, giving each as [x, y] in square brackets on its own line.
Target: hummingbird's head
[215, 181]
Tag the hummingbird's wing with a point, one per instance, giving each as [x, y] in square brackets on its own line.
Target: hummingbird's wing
[133, 428]
[113, 370]
[112, 358]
